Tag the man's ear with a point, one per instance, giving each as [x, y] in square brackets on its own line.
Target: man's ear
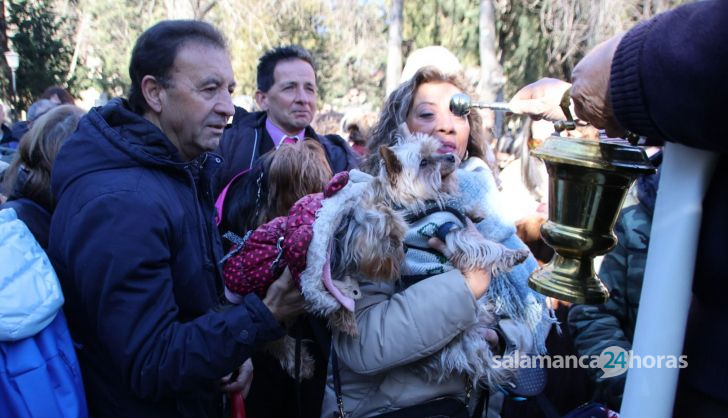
[391, 163]
[152, 91]
[261, 98]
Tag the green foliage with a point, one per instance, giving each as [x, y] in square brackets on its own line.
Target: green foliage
[546, 38]
[522, 44]
[41, 39]
[452, 24]
[343, 37]
[113, 26]
[348, 38]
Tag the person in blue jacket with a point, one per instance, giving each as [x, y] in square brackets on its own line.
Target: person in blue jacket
[134, 242]
[39, 371]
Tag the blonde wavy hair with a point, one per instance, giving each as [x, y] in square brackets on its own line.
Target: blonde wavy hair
[29, 175]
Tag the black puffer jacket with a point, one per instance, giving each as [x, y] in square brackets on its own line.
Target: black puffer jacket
[246, 139]
[135, 246]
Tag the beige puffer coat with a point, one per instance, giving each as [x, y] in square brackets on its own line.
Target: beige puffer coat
[396, 330]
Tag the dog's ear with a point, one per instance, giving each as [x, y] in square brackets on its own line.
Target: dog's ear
[391, 163]
[403, 132]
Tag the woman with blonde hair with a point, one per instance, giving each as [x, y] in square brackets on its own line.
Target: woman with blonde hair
[402, 326]
[28, 179]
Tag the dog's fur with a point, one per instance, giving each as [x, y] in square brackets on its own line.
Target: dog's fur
[413, 173]
[368, 243]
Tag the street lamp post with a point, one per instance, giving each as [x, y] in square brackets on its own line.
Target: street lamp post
[13, 59]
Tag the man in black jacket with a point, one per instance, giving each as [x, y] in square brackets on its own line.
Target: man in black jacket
[134, 242]
[286, 78]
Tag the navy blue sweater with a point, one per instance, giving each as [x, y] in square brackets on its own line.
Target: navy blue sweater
[669, 83]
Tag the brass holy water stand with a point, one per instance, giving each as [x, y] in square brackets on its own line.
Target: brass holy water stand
[588, 181]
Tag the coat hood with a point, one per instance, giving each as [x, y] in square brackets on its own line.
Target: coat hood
[30, 293]
[112, 137]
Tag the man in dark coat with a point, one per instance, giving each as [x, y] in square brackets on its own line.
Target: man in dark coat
[134, 243]
[286, 78]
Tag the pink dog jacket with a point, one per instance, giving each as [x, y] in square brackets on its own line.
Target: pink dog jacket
[280, 243]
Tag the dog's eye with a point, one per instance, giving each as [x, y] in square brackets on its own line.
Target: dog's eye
[424, 163]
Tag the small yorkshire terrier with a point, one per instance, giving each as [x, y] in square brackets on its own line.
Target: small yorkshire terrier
[369, 242]
[419, 185]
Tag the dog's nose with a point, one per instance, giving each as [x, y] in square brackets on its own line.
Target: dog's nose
[450, 158]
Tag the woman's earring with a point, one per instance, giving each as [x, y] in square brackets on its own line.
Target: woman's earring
[467, 154]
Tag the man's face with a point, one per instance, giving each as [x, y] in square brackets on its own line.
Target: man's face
[291, 101]
[197, 102]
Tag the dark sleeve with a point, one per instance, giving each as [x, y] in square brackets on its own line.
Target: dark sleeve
[668, 77]
[341, 156]
[129, 293]
[34, 216]
[231, 149]
[596, 327]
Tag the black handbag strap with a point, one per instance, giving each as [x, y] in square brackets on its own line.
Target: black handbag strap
[297, 365]
[482, 405]
[337, 382]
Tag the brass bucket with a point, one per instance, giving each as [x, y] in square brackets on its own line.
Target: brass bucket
[588, 181]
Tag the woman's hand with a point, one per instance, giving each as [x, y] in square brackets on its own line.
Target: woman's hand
[478, 281]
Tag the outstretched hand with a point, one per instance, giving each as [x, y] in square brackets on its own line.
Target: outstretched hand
[589, 92]
[540, 99]
[240, 380]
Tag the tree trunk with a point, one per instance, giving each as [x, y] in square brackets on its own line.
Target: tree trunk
[188, 9]
[394, 46]
[490, 70]
[80, 34]
[491, 73]
[4, 47]
[660, 6]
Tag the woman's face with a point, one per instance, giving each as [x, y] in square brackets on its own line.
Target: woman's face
[431, 114]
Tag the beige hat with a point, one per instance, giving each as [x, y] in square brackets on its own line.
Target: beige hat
[436, 56]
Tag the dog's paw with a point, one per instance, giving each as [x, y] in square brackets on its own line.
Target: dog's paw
[508, 260]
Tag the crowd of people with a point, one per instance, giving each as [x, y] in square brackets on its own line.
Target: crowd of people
[139, 206]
